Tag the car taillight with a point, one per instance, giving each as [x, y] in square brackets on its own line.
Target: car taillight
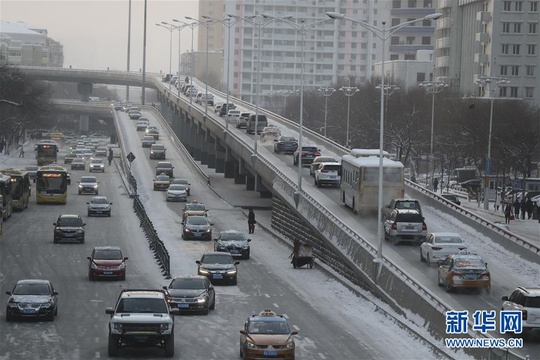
[424, 226]
[436, 248]
[303, 153]
[524, 314]
[394, 226]
[462, 248]
[317, 154]
[484, 275]
[324, 171]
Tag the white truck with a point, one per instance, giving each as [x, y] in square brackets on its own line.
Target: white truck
[141, 318]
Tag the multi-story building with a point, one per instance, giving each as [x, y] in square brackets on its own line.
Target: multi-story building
[493, 38]
[24, 45]
[335, 51]
[213, 9]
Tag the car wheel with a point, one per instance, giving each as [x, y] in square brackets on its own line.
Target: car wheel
[109, 214]
[488, 289]
[246, 256]
[213, 306]
[90, 277]
[79, 193]
[50, 317]
[234, 281]
[82, 240]
[113, 347]
[439, 281]
[56, 311]
[206, 311]
[55, 241]
[169, 346]
[89, 214]
[9, 316]
[422, 259]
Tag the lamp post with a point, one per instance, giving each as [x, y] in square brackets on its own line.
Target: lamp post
[432, 87]
[228, 24]
[326, 92]
[259, 25]
[301, 28]
[128, 46]
[207, 25]
[383, 34]
[349, 92]
[171, 28]
[192, 26]
[388, 90]
[482, 81]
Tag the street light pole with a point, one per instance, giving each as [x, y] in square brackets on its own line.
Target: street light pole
[383, 34]
[326, 92]
[432, 87]
[170, 28]
[482, 81]
[128, 46]
[348, 91]
[192, 67]
[302, 28]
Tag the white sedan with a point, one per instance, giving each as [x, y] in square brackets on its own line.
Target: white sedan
[439, 246]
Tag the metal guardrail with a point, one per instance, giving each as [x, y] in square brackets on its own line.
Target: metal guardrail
[156, 244]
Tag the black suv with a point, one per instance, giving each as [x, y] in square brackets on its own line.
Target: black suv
[191, 293]
[164, 167]
[69, 227]
[218, 266]
[225, 109]
[307, 154]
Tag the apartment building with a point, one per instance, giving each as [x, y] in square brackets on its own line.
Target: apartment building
[494, 38]
[21, 44]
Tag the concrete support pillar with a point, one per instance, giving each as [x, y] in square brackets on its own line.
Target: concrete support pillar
[250, 182]
[210, 147]
[85, 90]
[198, 144]
[84, 121]
[263, 191]
[220, 157]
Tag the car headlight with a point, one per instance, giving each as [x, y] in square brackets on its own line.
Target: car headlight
[93, 265]
[201, 300]
[163, 327]
[80, 185]
[95, 186]
[47, 305]
[203, 271]
[121, 266]
[117, 327]
[80, 231]
[208, 230]
[289, 345]
[12, 304]
[246, 246]
[232, 271]
[250, 345]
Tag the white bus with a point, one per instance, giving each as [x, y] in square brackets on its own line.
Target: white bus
[360, 180]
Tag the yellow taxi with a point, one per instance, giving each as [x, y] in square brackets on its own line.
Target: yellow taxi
[464, 270]
[162, 182]
[194, 208]
[267, 335]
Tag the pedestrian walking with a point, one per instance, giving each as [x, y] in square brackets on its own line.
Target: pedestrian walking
[530, 208]
[251, 221]
[517, 206]
[110, 157]
[523, 208]
[21, 151]
[435, 184]
[507, 213]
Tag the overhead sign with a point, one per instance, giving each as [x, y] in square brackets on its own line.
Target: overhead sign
[130, 157]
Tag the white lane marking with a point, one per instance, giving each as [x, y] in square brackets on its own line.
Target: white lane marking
[321, 355]
[275, 305]
[98, 355]
[285, 316]
[296, 327]
[97, 340]
[268, 296]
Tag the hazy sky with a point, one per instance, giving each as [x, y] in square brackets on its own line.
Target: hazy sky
[94, 32]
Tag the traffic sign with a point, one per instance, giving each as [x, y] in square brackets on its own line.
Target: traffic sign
[130, 157]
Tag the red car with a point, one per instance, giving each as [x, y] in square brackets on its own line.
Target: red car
[107, 262]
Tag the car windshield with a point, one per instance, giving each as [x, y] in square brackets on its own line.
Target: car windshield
[196, 207]
[88, 180]
[109, 254]
[309, 148]
[232, 236]
[69, 222]
[268, 327]
[192, 284]
[162, 178]
[332, 167]
[31, 168]
[177, 187]
[142, 305]
[100, 200]
[532, 302]
[406, 205]
[158, 147]
[147, 138]
[217, 259]
[97, 161]
[164, 165]
[181, 181]
[31, 289]
[448, 239]
[469, 263]
[197, 220]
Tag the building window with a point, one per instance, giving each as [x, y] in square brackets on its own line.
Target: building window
[518, 6]
[411, 4]
[506, 28]
[426, 23]
[427, 4]
[394, 40]
[396, 4]
[502, 92]
[426, 40]
[531, 49]
[353, 45]
[533, 28]
[353, 67]
[362, 45]
[515, 49]
[514, 70]
[514, 91]
[533, 6]
[517, 28]
[394, 57]
[504, 70]
[507, 5]
[410, 40]
[341, 56]
[530, 70]
[529, 92]
[504, 49]
[410, 57]
[420, 77]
